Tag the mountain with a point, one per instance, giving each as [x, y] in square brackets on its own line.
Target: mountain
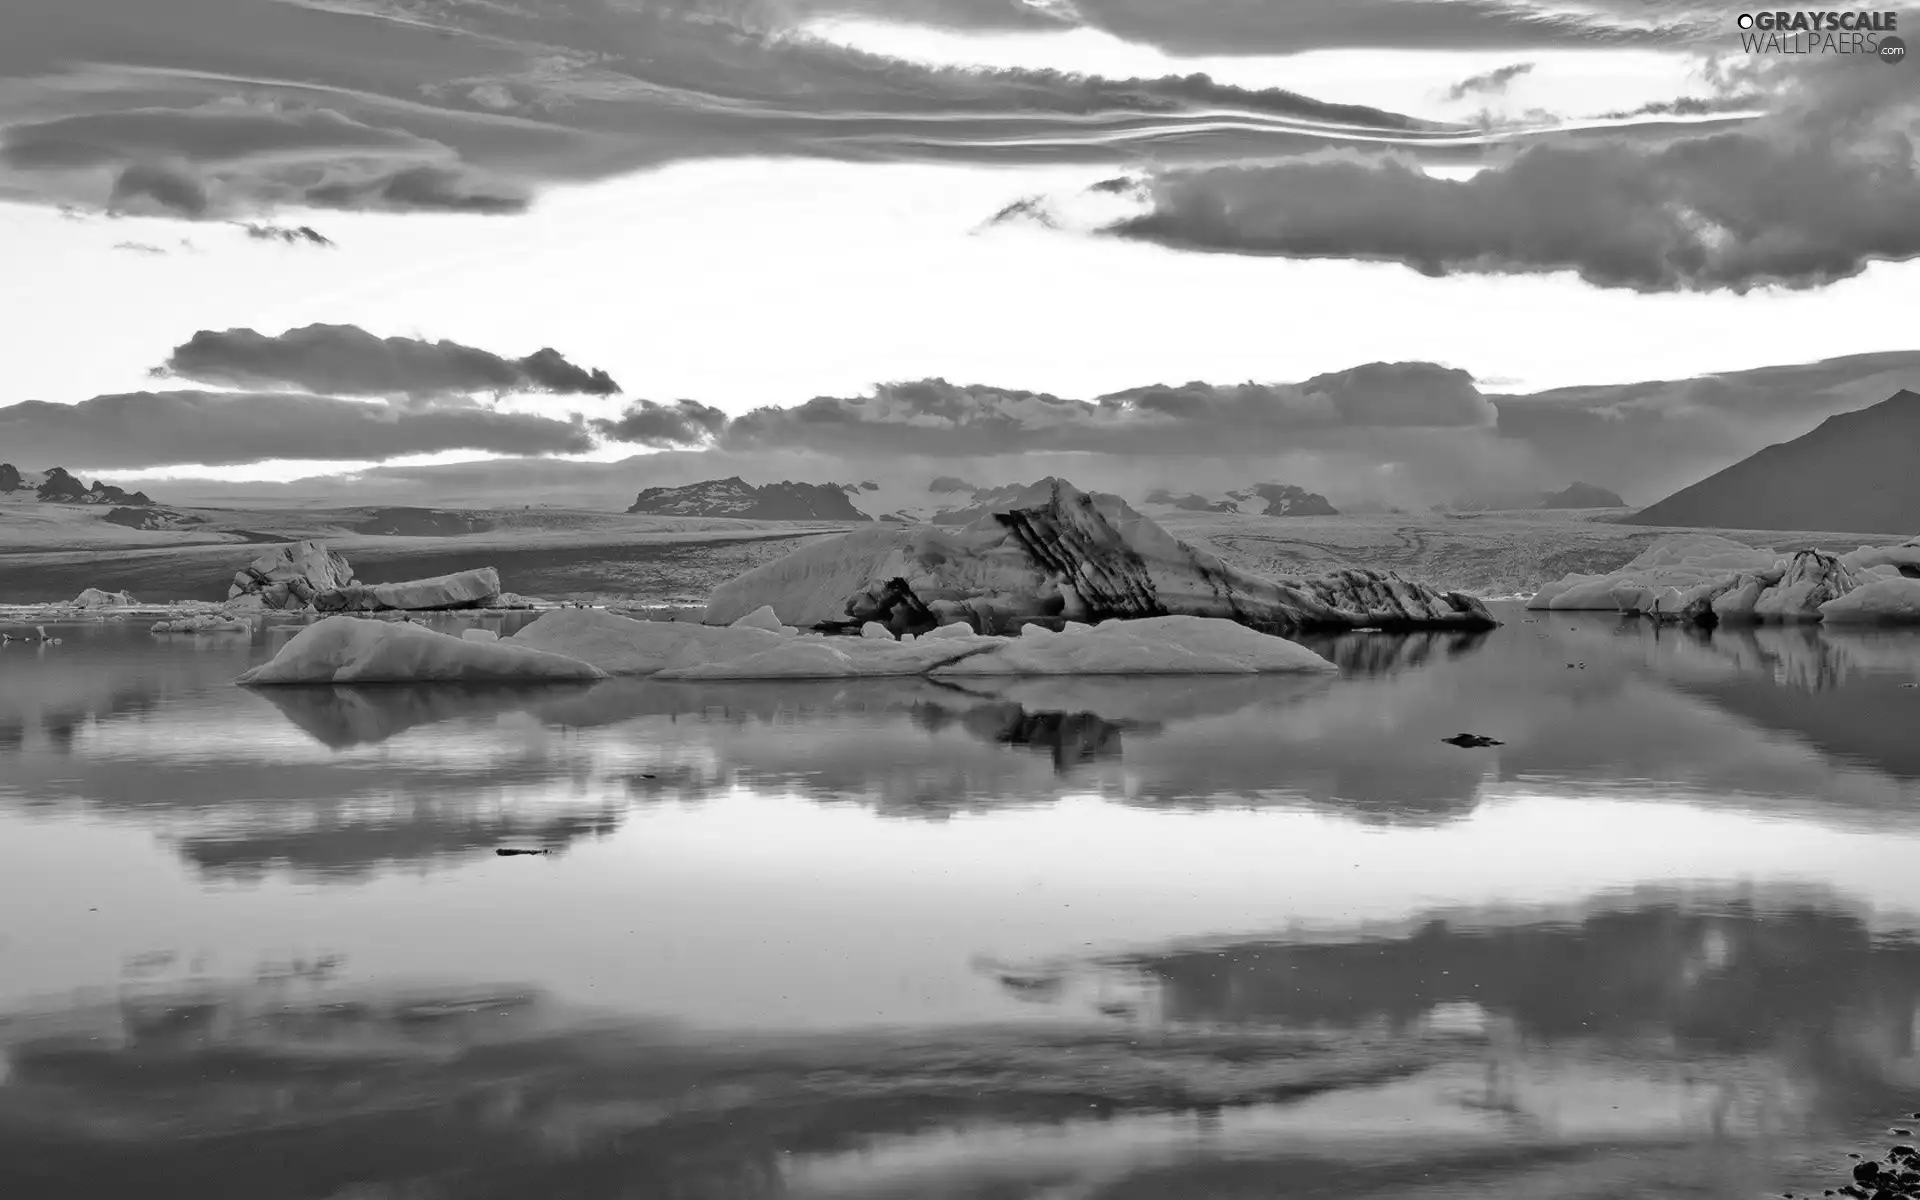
[59, 487]
[1287, 500]
[1854, 474]
[1583, 495]
[948, 483]
[1012, 496]
[1261, 499]
[734, 497]
[1189, 501]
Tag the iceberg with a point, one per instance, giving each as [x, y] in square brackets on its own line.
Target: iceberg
[1709, 580]
[1074, 557]
[623, 646]
[290, 576]
[359, 650]
[760, 618]
[1147, 646]
[96, 598]
[303, 575]
[1894, 601]
[1175, 645]
[462, 589]
[840, 658]
[1681, 563]
[206, 622]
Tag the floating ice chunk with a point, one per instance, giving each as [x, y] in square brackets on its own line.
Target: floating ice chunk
[1893, 601]
[1683, 562]
[760, 618]
[959, 629]
[356, 650]
[623, 646]
[1902, 558]
[840, 658]
[1151, 646]
[212, 622]
[479, 635]
[876, 631]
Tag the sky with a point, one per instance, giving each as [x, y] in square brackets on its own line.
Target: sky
[1397, 251]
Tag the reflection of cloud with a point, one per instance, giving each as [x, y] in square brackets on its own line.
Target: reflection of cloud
[359, 780]
[1726, 974]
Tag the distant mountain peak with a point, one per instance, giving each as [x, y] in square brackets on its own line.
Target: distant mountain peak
[735, 497]
[1583, 495]
[1853, 473]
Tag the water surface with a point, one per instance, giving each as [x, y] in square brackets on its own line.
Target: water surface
[1085, 939]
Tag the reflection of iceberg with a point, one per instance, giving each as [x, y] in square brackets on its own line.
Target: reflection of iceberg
[341, 716]
[1382, 654]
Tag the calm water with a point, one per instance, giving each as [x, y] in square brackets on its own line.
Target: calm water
[1059, 939]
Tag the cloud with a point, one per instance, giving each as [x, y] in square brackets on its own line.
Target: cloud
[139, 247]
[646, 423]
[421, 189]
[347, 360]
[472, 108]
[219, 132]
[1488, 82]
[1408, 434]
[1809, 195]
[292, 235]
[172, 191]
[1648, 439]
[146, 429]
[938, 418]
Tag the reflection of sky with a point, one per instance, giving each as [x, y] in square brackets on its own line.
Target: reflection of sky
[837, 853]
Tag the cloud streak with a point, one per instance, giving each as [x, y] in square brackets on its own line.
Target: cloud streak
[471, 108]
[663, 426]
[146, 429]
[346, 360]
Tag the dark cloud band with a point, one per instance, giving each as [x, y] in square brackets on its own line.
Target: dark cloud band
[348, 361]
[148, 429]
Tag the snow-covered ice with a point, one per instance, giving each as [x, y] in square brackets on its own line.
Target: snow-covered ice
[357, 650]
[1150, 646]
[623, 646]
[1894, 601]
[1076, 556]
[1697, 574]
[760, 618]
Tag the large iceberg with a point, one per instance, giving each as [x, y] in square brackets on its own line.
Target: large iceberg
[363, 650]
[1708, 580]
[1074, 557]
[679, 650]
[1149, 646]
[1885, 601]
[289, 576]
[623, 646]
[462, 589]
[307, 575]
